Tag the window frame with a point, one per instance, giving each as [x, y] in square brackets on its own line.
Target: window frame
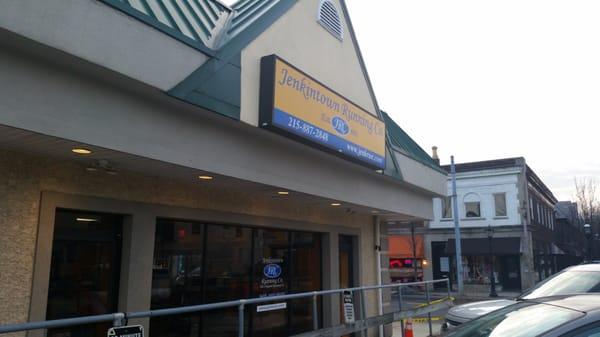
[447, 201]
[495, 195]
[531, 209]
[478, 203]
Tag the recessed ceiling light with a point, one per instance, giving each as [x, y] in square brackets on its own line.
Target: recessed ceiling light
[81, 150]
[205, 177]
[87, 220]
[336, 204]
[374, 211]
[283, 192]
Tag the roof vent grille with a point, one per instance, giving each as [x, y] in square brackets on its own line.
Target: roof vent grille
[329, 18]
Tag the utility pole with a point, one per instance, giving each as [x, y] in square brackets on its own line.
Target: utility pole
[459, 270]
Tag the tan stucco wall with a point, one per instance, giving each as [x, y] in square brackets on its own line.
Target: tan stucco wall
[24, 178]
[105, 36]
[298, 38]
[19, 201]
[422, 176]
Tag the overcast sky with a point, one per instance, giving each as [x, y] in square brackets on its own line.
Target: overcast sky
[491, 79]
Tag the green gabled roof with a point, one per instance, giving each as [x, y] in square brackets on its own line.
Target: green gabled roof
[217, 30]
[221, 32]
[197, 23]
[245, 12]
[207, 25]
[401, 142]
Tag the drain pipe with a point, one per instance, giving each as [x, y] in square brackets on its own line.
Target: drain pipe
[378, 260]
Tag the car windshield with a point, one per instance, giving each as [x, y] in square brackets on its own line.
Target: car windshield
[523, 319]
[565, 283]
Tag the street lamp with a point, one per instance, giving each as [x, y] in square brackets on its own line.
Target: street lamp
[587, 230]
[490, 235]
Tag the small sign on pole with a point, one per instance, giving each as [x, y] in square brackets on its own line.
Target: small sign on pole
[348, 307]
[126, 331]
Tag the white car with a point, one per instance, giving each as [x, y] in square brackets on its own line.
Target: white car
[579, 279]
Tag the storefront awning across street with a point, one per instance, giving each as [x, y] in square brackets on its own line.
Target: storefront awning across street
[500, 246]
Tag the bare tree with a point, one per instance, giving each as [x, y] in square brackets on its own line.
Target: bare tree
[587, 199]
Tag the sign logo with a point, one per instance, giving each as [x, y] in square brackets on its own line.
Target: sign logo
[340, 125]
[272, 271]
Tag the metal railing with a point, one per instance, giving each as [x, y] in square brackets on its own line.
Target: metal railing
[120, 318]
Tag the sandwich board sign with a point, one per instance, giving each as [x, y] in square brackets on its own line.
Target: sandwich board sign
[348, 300]
[126, 331]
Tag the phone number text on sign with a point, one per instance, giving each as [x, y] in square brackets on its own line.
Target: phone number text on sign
[307, 129]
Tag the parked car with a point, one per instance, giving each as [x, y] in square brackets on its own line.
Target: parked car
[573, 280]
[566, 315]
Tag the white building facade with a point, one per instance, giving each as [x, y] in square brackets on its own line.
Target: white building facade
[492, 215]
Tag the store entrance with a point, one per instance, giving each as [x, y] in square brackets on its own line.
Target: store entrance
[440, 263]
[271, 278]
[346, 260]
[511, 275]
[84, 273]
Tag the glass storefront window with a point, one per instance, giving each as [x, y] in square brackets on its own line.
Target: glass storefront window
[177, 275]
[227, 276]
[205, 263]
[476, 269]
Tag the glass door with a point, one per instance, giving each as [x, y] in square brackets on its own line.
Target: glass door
[227, 277]
[84, 272]
[270, 263]
[305, 276]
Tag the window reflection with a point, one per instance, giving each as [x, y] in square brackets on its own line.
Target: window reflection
[228, 270]
[206, 263]
[519, 320]
[177, 276]
[84, 270]
[568, 282]
[305, 275]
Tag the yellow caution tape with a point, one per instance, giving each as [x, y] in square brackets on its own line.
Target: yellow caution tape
[424, 319]
[436, 302]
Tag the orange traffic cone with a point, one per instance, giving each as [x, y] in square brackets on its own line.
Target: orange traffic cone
[408, 329]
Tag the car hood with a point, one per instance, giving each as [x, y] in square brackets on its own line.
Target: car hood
[469, 311]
